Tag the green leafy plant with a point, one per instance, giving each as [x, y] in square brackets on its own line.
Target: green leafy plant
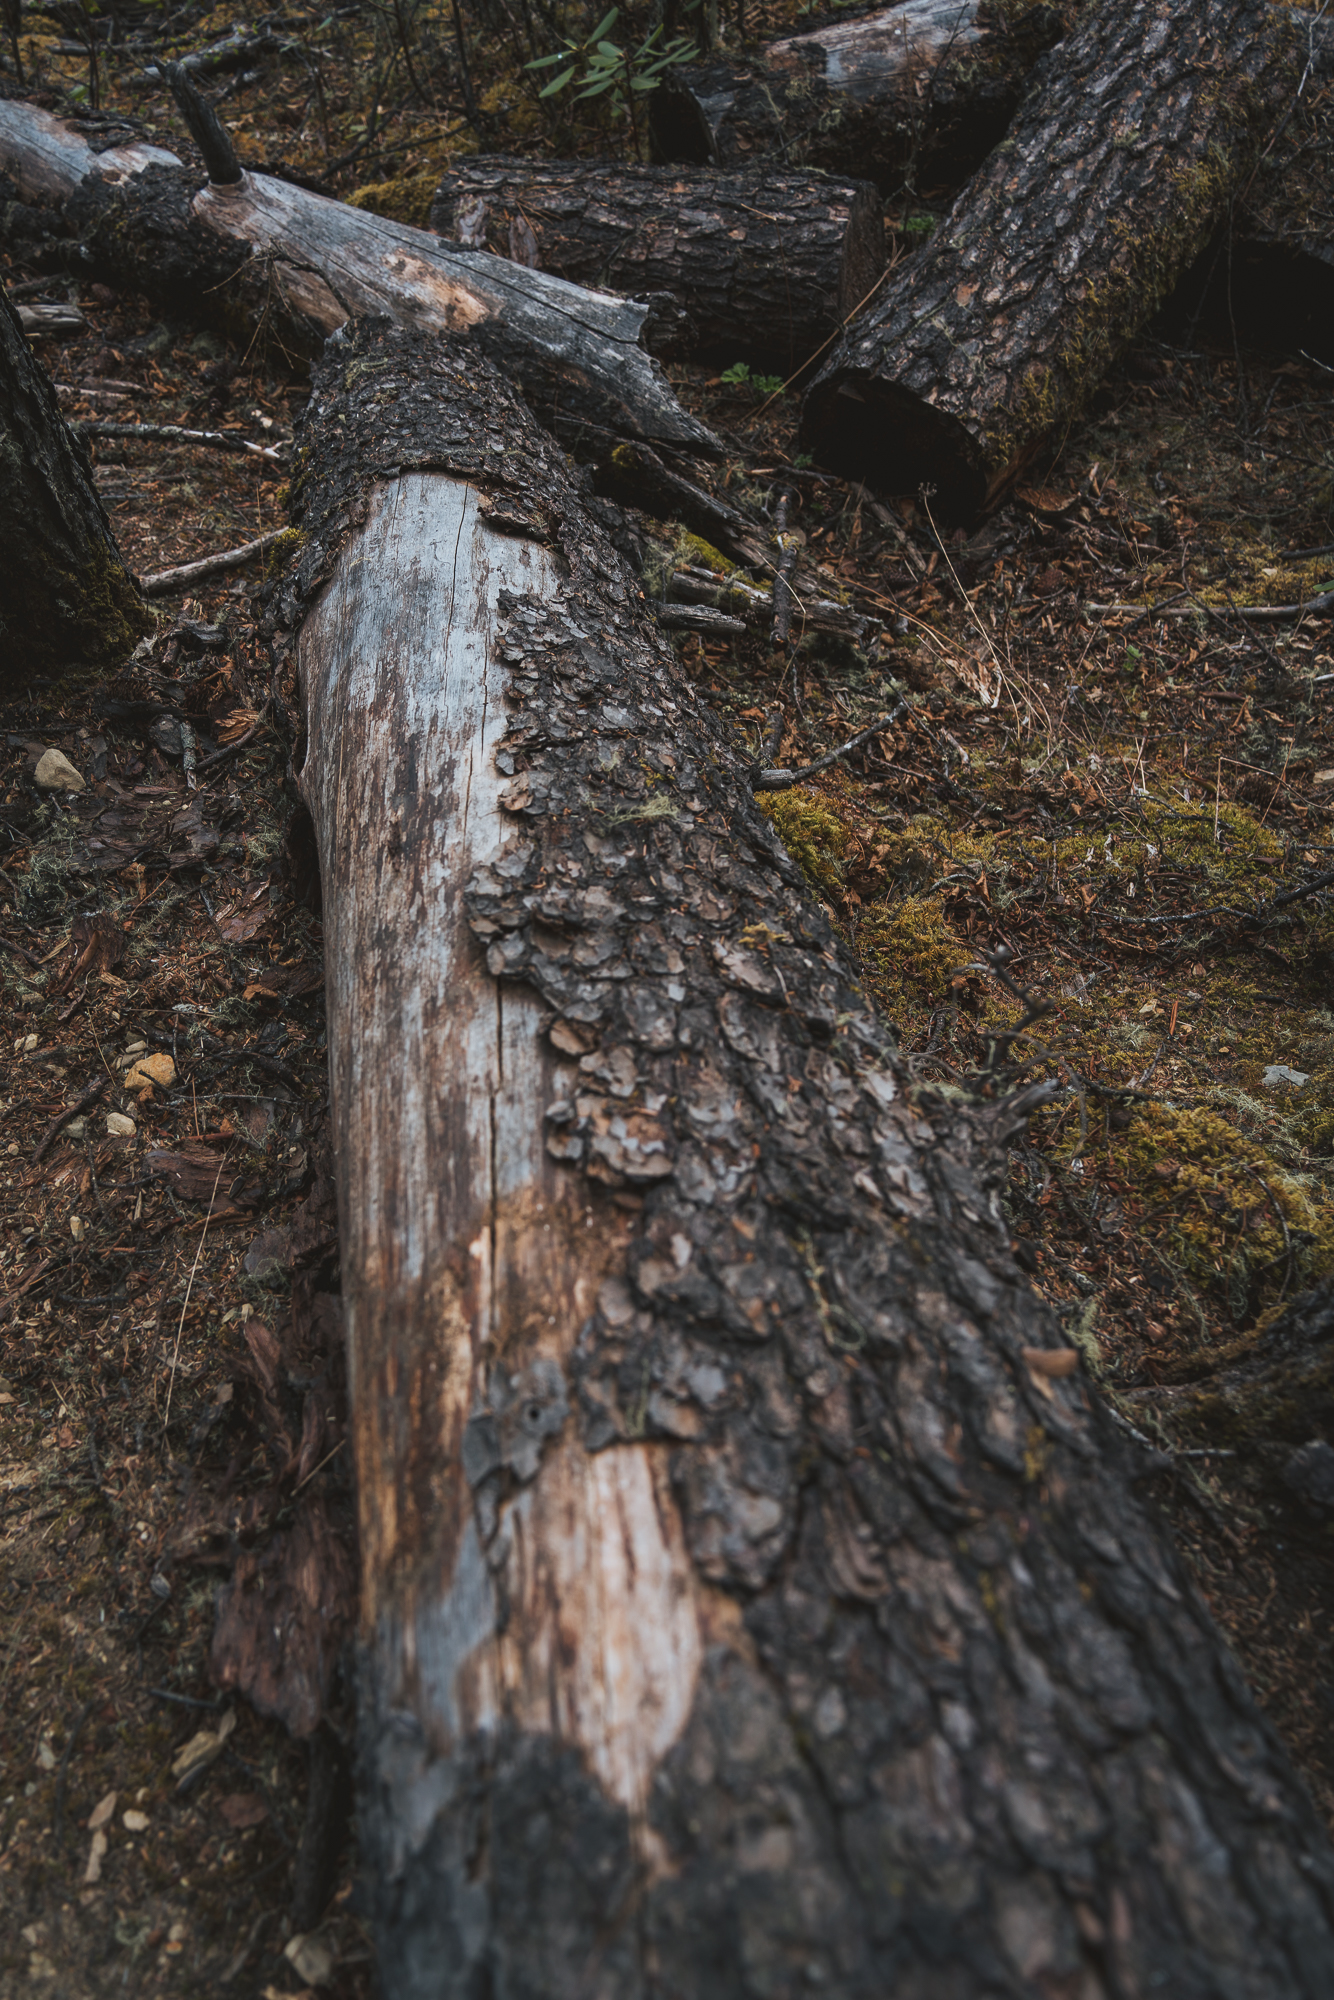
[600, 68]
[738, 376]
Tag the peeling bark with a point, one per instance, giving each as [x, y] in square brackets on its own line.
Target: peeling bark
[761, 261]
[67, 601]
[1137, 132]
[919, 93]
[755, 1600]
[261, 253]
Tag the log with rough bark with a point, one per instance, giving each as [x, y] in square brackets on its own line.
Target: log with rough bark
[67, 601]
[919, 93]
[761, 262]
[1107, 186]
[755, 1599]
[260, 253]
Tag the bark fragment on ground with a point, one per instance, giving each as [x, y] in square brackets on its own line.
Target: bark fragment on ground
[729, 1509]
[1109, 183]
[261, 255]
[67, 600]
[758, 261]
[921, 92]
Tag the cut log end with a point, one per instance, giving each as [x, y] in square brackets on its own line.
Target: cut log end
[874, 430]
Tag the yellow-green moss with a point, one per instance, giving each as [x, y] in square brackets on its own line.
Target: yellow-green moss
[911, 954]
[407, 199]
[1224, 1210]
[814, 836]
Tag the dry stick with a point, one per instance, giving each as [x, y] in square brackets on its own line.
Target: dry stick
[1258, 613]
[90, 1096]
[783, 781]
[787, 549]
[185, 1303]
[163, 581]
[99, 427]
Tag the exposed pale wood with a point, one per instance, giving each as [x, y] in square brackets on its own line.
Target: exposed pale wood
[755, 1598]
[1107, 186]
[922, 90]
[761, 261]
[262, 253]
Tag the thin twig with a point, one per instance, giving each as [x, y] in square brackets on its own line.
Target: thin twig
[90, 1096]
[175, 434]
[163, 581]
[185, 1303]
[783, 781]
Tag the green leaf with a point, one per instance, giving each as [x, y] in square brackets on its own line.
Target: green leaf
[557, 83]
[610, 51]
[605, 25]
[545, 62]
[595, 89]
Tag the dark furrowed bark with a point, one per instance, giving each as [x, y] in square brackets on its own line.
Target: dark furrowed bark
[263, 255]
[67, 601]
[1136, 132]
[755, 1600]
[920, 94]
[762, 262]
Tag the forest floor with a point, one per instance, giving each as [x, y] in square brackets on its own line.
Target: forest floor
[1125, 813]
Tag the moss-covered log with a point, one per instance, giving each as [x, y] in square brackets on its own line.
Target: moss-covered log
[258, 254]
[920, 93]
[755, 1597]
[1108, 184]
[68, 605]
[760, 263]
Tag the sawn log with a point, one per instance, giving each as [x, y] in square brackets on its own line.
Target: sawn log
[1107, 186]
[754, 1597]
[916, 94]
[261, 253]
[760, 263]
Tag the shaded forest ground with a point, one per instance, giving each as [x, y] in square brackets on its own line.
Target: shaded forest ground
[1107, 809]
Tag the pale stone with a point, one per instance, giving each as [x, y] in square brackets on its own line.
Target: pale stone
[148, 1070]
[55, 773]
[119, 1126]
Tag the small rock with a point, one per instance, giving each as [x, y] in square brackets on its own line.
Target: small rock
[96, 1855]
[55, 773]
[1309, 1473]
[26, 1044]
[119, 1126]
[46, 1756]
[1277, 1073]
[149, 1070]
[76, 1128]
[134, 1822]
[102, 1811]
[311, 1956]
[77, 1225]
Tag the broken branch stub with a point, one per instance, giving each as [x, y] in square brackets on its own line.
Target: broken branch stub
[748, 1603]
[1136, 132]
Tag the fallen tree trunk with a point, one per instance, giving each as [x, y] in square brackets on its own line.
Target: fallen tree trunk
[761, 262]
[1106, 188]
[754, 1598]
[920, 93]
[260, 253]
[67, 601]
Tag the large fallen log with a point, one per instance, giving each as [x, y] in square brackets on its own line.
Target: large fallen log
[1107, 186]
[763, 262]
[920, 92]
[255, 252]
[754, 1597]
[67, 601]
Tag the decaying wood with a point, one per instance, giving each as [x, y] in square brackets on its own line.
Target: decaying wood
[261, 253]
[761, 261]
[755, 1599]
[67, 601]
[1108, 184]
[920, 92]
